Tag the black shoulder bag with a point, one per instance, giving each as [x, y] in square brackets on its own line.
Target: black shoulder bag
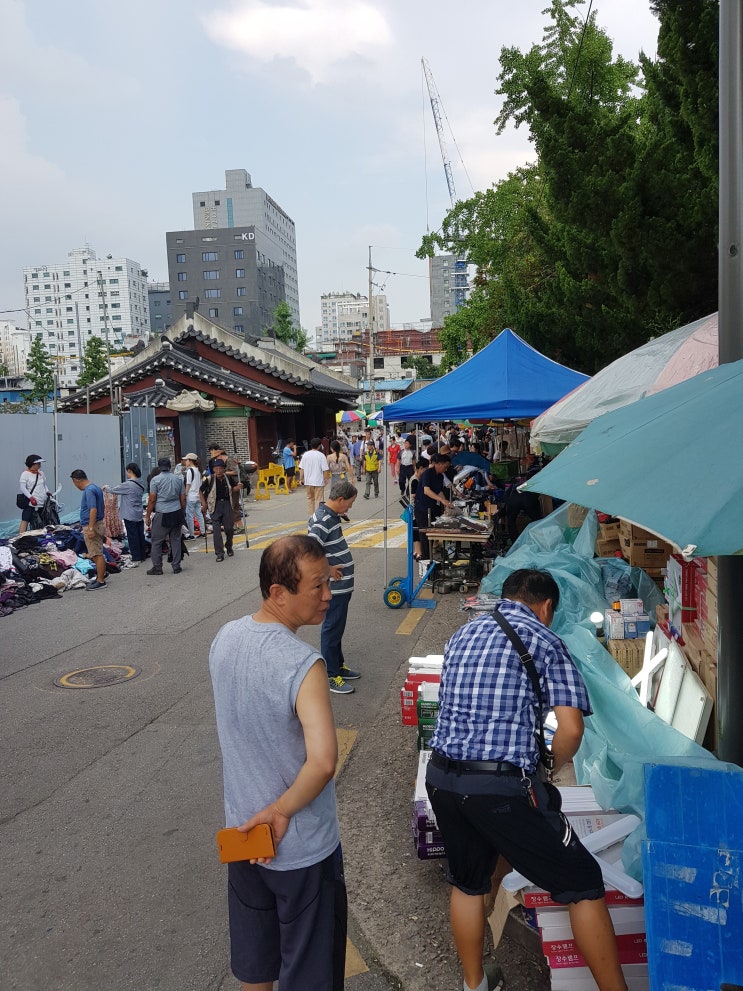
[21, 500]
[546, 757]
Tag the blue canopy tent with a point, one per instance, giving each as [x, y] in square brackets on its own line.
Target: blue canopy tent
[508, 379]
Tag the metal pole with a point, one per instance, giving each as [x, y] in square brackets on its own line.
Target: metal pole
[730, 569]
[108, 344]
[370, 323]
[384, 496]
[56, 431]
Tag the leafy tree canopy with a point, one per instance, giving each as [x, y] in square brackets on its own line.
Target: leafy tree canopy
[424, 367]
[94, 364]
[284, 329]
[40, 371]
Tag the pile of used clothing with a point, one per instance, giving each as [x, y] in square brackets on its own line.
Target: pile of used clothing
[40, 564]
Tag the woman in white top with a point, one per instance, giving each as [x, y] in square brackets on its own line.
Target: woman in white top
[192, 481]
[33, 486]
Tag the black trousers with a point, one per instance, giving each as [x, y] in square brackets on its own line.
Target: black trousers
[222, 517]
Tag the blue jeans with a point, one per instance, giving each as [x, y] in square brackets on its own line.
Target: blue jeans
[193, 512]
[331, 634]
[135, 539]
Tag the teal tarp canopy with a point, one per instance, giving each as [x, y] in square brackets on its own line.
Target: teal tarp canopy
[508, 379]
[668, 463]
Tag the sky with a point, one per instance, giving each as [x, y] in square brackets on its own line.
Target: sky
[112, 114]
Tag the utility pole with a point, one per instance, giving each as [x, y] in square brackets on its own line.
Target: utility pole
[370, 322]
[108, 344]
[730, 294]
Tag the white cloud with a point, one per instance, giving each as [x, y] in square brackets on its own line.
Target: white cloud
[318, 35]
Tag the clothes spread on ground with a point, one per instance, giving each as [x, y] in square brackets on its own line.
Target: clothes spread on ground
[42, 564]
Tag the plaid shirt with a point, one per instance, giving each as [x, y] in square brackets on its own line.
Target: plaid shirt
[487, 708]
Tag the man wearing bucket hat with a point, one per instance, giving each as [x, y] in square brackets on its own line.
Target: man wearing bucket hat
[166, 506]
[32, 490]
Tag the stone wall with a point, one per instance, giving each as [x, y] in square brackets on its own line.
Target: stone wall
[219, 430]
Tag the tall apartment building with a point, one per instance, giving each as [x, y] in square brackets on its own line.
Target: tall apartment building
[161, 307]
[227, 274]
[83, 297]
[243, 205]
[15, 343]
[345, 316]
[448, 275]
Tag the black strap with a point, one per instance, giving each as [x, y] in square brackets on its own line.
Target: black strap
[36, 482]
[546, 756]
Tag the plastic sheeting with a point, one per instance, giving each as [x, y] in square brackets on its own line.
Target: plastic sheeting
[621, 735]
[655, 366]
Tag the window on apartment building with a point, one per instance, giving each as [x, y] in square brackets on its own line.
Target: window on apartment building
[209, 256]
[118, 268]
[213, 311]
[239, 253]
[179, 240]
[241, 291]
[217, 203]
[182, 294]
[38, 310]
[116, 316]
[70, 321]
[212, 293]
[47, 299]
[38, 323]
[237, 311]
[49, 309]
[114, 292]
[116, 306]
[181, 259]
[202, 203]
[68, 285]
[113, 282]
[239, 273]
[182, 276]
[211, 275]
[45, 275]
[379, 362]
[239, 328]
[206, 240]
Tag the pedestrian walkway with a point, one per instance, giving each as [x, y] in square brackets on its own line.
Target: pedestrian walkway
[366, 533]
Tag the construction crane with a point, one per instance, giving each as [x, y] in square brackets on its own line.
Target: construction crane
[460, 265]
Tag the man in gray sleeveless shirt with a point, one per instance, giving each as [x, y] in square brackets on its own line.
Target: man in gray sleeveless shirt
[279, 751]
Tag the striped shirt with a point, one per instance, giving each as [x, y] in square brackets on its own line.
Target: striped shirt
[325, 527]
[487, 707]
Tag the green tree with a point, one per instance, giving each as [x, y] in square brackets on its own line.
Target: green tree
[94, 363]
[424, 367]
[668, 226]
[284, 329]
[40, 371]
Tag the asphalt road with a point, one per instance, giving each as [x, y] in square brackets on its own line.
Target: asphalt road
[112, 795]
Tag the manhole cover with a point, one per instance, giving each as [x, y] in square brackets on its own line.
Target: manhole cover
[102, 676]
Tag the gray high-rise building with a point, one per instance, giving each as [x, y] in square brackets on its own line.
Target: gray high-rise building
[448, 274]
[243, 205]
[227, 274]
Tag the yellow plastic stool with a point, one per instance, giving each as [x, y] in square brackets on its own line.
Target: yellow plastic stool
[261, 486]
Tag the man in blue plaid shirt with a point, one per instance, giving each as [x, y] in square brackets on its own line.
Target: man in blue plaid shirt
[484, 782]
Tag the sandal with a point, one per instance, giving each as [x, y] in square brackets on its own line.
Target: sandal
[416, 556]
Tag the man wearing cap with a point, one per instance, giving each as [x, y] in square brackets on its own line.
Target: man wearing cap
[216, 500]
[165, 514]
[94, 528]
[232, 471]
[33, 486]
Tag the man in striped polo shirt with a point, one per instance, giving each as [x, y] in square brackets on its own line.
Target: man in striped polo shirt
[325, 527]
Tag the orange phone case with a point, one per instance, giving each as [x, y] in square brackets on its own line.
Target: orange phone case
[234, 845]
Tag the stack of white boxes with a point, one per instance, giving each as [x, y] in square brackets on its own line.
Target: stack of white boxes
[568, 970]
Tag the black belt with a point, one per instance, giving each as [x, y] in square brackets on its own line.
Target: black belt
[474, 766]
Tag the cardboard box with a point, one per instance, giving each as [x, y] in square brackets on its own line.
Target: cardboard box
[628, 654]
[631, 607]
[609, 531]
[580, 979]
[632, 532]
[607, 547]
[577, 514]
[680, 591]
[661, 613]
[643, 555]
[613, 625]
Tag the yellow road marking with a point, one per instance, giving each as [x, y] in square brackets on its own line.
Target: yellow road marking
[367, 533]
[354, 964]
[346, 739]
[410, 622]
